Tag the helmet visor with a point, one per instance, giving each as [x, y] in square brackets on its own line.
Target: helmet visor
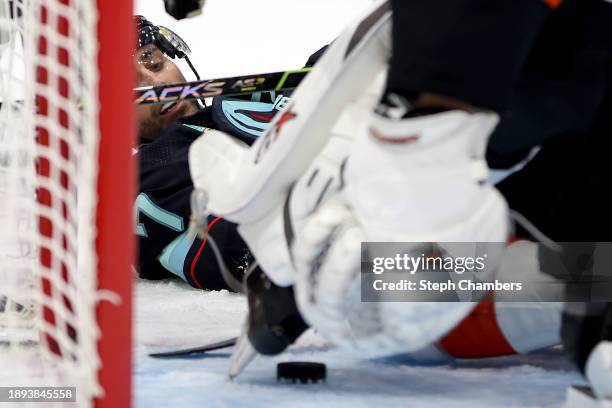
[162, 37]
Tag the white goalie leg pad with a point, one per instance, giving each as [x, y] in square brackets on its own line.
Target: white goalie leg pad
[327, 258]
[431, 176]
[250, 186]
[245, 189]
[598, 371]
[271, 237]
[425, 180]
[327, 255]
[323, 179]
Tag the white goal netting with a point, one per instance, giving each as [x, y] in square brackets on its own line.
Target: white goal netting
[49, 141]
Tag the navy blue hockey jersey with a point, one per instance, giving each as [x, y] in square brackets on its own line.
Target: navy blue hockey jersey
[162, 206]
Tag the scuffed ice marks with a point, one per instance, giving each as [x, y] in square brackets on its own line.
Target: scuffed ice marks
[172, 314]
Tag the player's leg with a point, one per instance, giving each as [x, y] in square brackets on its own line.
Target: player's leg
[452, 70]
[470, 51]
[570, 179]
[325, 246]
[563, 84]
[587, 338]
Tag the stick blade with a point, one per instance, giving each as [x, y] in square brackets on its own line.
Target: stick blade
[196, 351]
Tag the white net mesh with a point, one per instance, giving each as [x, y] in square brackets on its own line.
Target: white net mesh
[48, 161]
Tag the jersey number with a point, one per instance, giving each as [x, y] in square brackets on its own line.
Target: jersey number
[144, 205]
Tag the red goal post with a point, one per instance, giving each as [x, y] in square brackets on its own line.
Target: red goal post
[66, 192]
[116, 191]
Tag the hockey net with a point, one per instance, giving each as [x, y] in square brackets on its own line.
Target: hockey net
[65, 193]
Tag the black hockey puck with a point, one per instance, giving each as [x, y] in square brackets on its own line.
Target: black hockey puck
[303, 372]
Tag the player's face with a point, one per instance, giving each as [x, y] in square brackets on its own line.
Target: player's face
[154, 68]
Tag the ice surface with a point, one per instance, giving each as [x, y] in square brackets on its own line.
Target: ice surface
[171, 315]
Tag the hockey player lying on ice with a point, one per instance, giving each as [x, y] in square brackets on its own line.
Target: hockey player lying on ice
[407, 164]
[166, 133]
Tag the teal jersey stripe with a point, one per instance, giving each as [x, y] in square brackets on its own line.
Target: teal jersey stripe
[174, 254]
[199, 129]
[231, 106]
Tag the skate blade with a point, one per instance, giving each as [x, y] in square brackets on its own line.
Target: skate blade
[243, 354]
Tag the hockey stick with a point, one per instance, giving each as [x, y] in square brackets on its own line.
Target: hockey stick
[273, 81]
[196, 351]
